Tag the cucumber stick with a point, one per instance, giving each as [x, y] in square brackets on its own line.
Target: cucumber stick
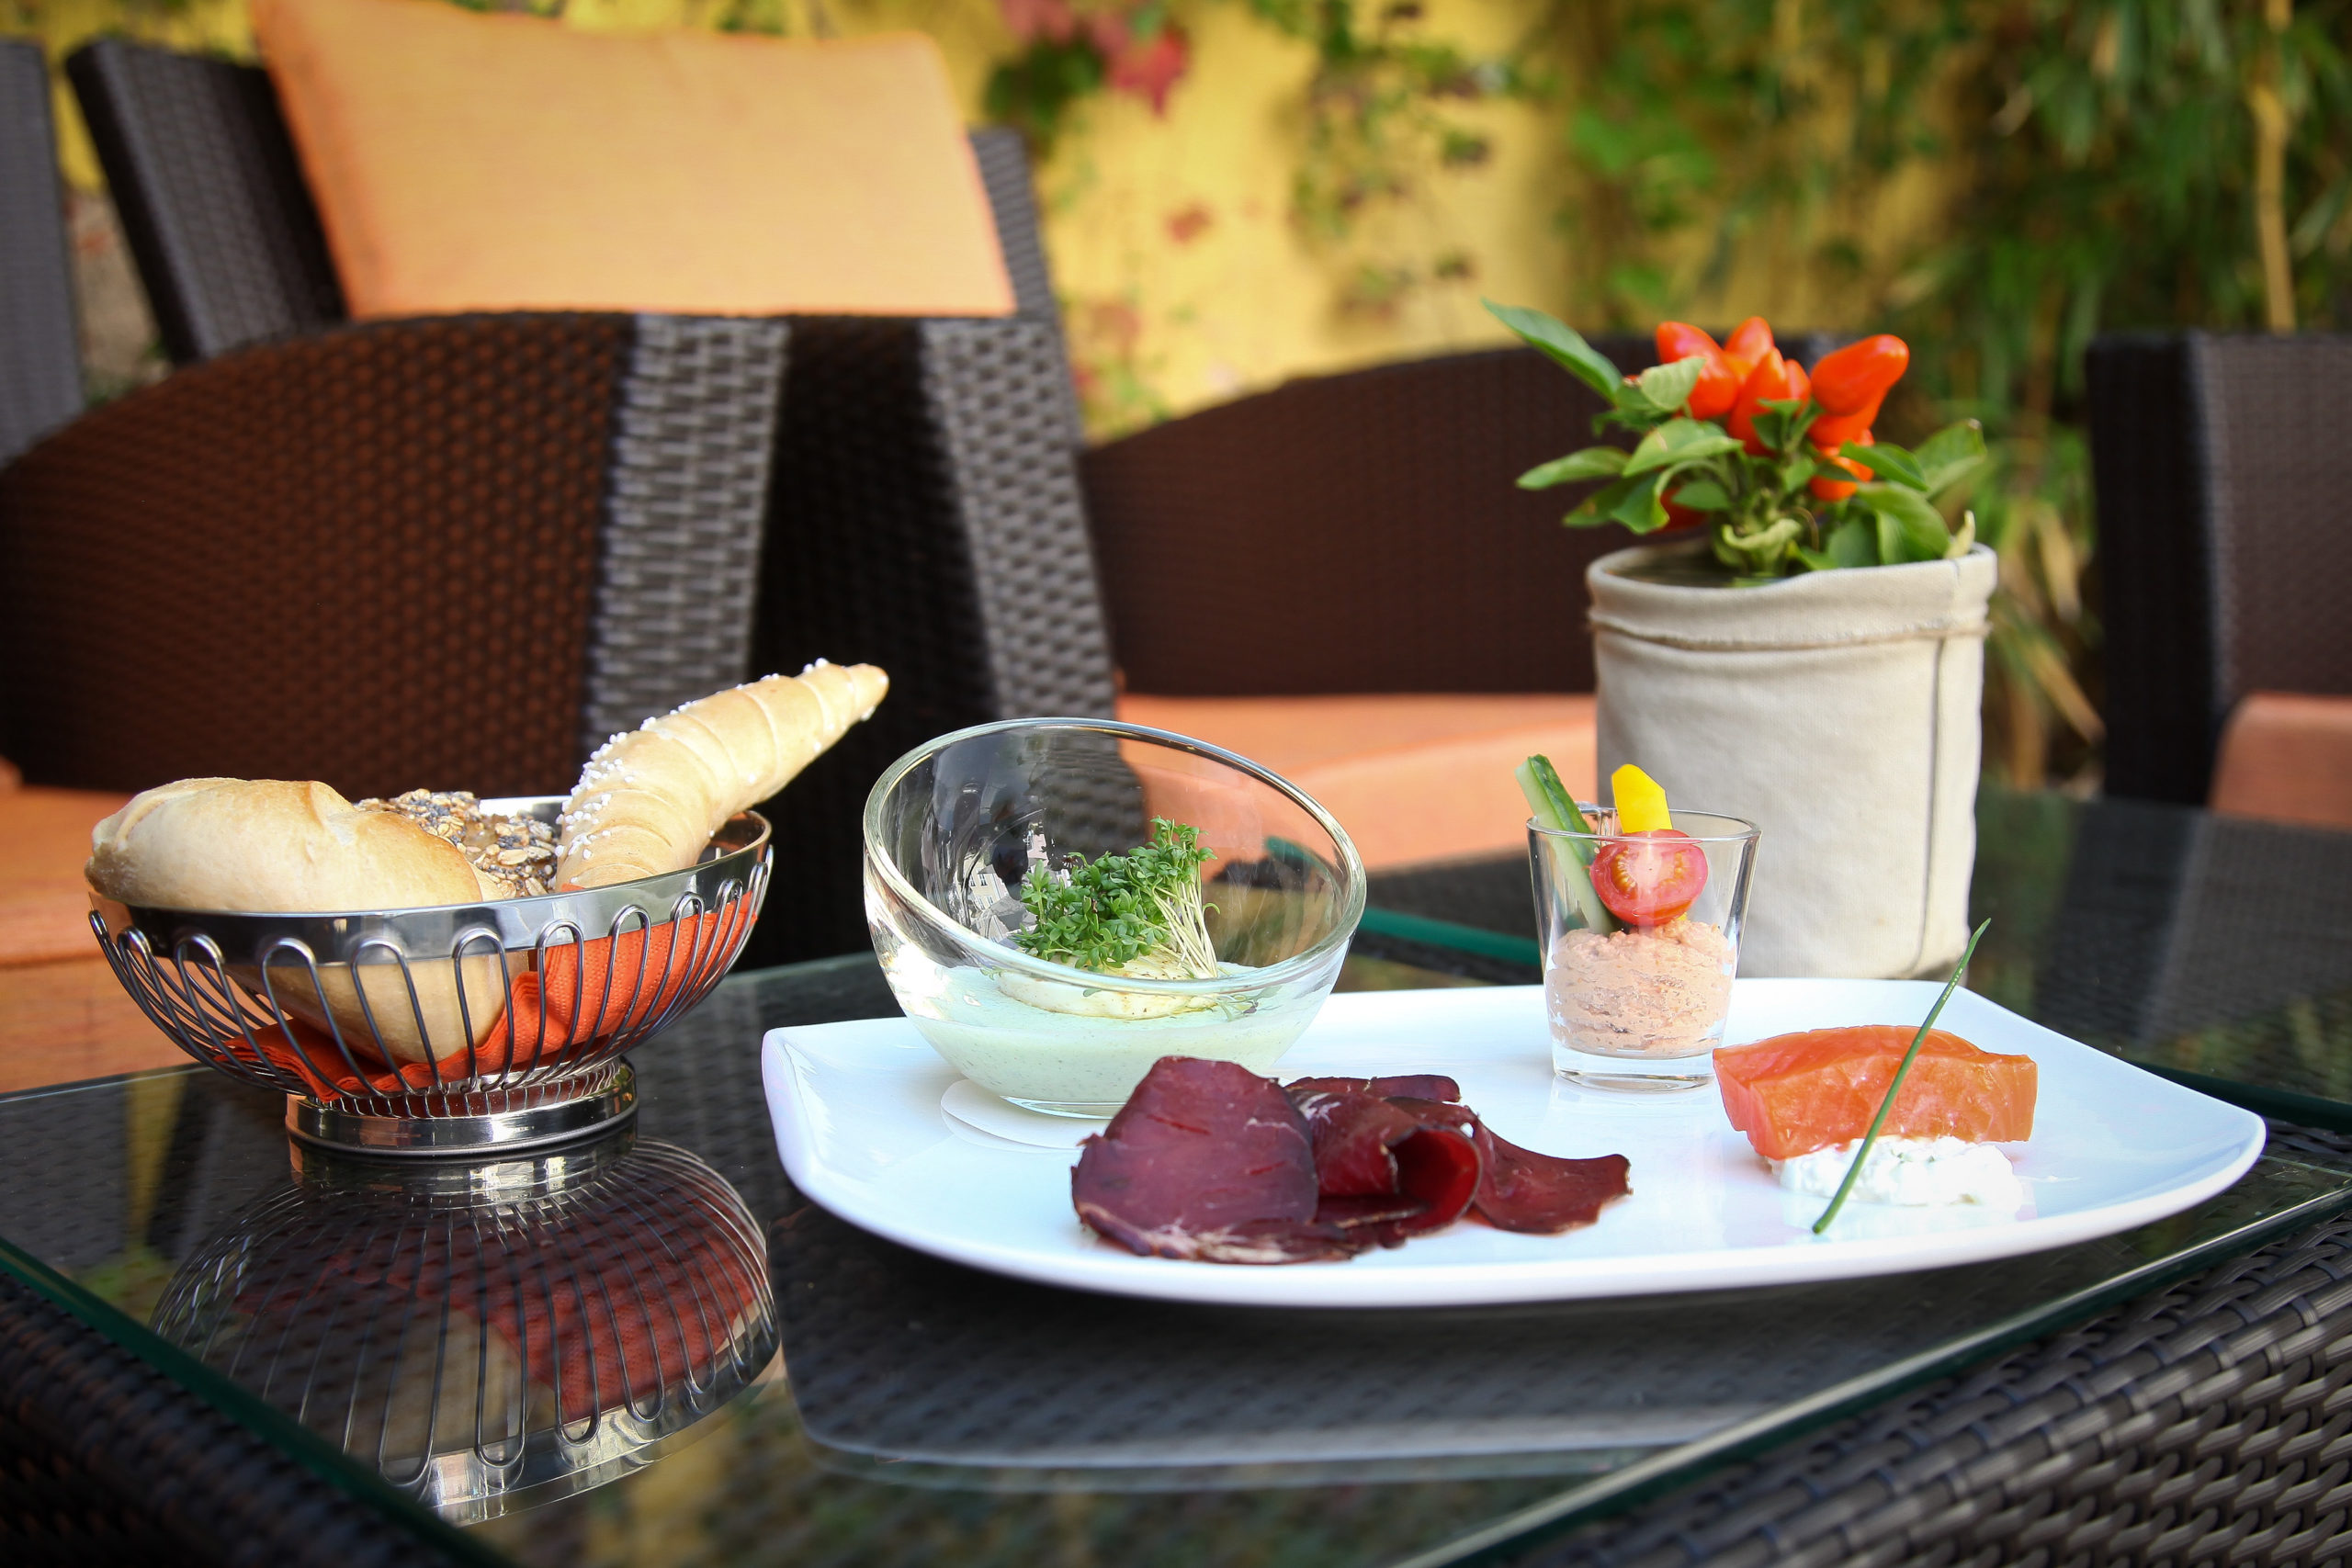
[1549, 801]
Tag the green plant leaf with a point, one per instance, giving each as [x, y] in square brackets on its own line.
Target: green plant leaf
[1592, 463]
[1949, 456]
[1917, 528]
[1670, 386]
[1564, 347]
[1787, 418]
[1599, 506]
[1813, 559]
[1702, 495]
[1640, 508]
[1680, 441]
[1853, 542]
[1888, 461]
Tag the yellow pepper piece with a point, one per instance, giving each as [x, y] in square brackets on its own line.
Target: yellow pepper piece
[1641, 801]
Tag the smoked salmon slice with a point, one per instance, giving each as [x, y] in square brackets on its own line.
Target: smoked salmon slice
[1796, 1093]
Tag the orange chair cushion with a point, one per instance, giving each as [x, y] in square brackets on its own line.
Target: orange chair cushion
[2287, 758]
[471, 162]
[1413, 777]
[44, 904]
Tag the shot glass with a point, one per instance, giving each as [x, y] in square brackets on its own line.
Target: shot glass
[1638, 1004]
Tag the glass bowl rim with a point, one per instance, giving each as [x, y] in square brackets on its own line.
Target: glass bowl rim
[1748, 832]
[1351, 869]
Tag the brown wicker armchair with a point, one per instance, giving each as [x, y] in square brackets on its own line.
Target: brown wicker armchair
[2225, 565]
[922, 510]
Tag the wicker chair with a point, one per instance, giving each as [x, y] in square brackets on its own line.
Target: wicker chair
[40, 365]
[433, 552]
[2225, 564]
[925, 511]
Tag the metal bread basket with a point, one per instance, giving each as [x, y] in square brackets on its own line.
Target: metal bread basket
[455, 1028]
[491, 1335]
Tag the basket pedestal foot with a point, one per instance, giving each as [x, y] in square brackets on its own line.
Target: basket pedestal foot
[454, 1121]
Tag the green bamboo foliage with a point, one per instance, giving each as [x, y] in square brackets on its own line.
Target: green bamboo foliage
[2121, 164]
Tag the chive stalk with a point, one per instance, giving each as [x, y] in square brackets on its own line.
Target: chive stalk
[1549, 802]
[1884, 1106]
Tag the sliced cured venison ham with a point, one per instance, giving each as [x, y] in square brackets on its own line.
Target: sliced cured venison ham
[1414, 1086]
[1384, 1174]
[1206, 1161]
[1519, 1189]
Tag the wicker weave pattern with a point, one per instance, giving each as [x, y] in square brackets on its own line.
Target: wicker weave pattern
[366, 558]
[2274, 472]
[119, 1466]
[211, 196]
[1355, 532]
[907, 450]
[40, 365]
[2208, 1423]
[2224, 569]
[688, 499]
[1004, 169]
[993, 388]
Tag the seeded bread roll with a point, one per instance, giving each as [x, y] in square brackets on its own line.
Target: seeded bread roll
[650, 800]
[270, 846]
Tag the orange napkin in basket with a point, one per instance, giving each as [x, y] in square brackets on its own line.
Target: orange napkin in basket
[626, 981]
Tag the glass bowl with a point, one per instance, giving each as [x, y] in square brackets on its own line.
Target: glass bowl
[951, 831]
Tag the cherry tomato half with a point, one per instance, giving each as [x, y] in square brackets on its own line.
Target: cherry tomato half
[1648, 878]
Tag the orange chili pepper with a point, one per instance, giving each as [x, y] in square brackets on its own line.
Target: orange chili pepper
[1771, 379]
[1832, 431]
[1857, 377]
[1747, 344]
[1718, 386]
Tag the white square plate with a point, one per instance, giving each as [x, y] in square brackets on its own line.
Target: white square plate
[859, 1121]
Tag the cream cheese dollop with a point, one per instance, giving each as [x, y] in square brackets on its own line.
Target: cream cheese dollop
[1910, 1172]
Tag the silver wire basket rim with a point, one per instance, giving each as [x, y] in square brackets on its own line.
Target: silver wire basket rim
[741, 841]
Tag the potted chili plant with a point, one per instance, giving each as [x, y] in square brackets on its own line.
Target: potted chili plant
[1805, 648]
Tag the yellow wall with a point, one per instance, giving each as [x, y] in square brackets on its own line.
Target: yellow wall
[1185, 277]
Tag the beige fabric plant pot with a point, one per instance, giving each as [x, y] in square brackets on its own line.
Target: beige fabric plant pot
[1839, 712]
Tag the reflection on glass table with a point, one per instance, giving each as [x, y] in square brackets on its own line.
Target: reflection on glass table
[2214, 949]
[930, 1413]
[486, 1335]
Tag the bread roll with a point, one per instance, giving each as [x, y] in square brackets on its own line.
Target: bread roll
[270, 846]
[650, 800]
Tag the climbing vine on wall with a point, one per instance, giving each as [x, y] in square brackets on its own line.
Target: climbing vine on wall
[1378, 118]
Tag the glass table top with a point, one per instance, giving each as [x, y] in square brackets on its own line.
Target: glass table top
[577, 1356]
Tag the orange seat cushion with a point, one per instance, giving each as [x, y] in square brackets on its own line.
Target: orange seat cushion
[470, 162]
[44, 904]
[2287, 758]
[1413, 777]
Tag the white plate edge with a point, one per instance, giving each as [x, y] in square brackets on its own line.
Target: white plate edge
[1309, 1285]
